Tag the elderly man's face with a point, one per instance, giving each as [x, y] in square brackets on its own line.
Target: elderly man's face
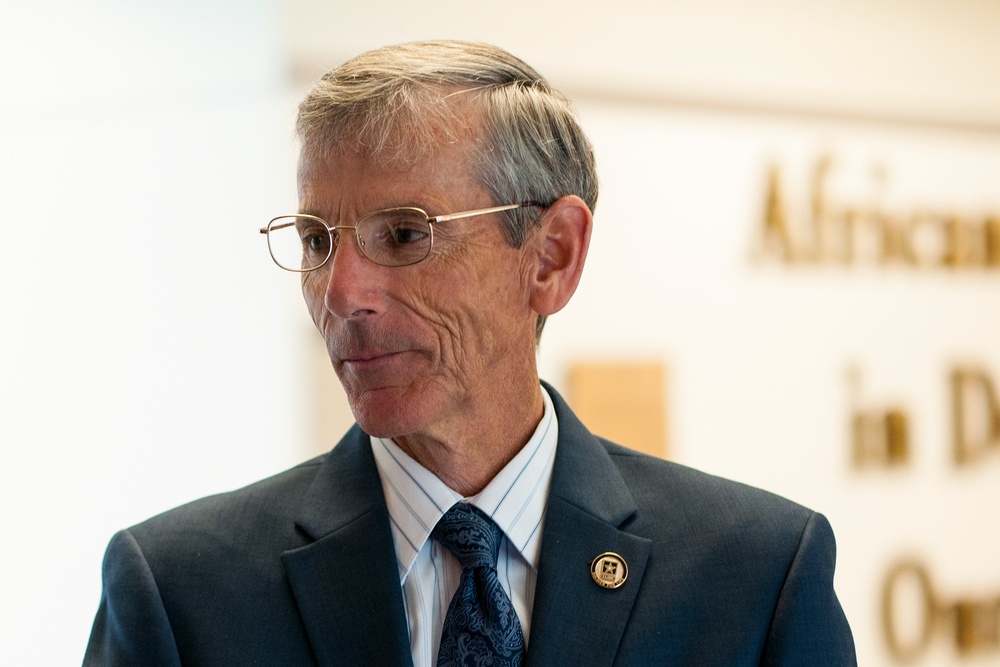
[421, 350]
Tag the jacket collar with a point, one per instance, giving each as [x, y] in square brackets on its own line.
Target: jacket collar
[574, 620]
[345, 582]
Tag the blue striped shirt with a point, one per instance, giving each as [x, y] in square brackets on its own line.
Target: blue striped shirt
[428, 573]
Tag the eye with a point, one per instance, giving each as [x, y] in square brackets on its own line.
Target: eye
[314, 236]
[395, 237]
[407, 232]
[396, 229]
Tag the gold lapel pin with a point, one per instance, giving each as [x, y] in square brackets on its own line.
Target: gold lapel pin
[609, 570]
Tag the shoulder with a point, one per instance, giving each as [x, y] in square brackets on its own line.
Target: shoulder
[752, 571]
[712, 508]
[284, 487]
[667, 501]
[648, 473]
[215, 559]
[725, 543]
[261, 511]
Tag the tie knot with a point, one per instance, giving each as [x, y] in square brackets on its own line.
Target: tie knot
[470, 535]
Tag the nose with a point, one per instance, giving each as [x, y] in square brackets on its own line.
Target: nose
[353, 282]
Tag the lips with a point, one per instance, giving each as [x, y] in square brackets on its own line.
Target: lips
[370, 371]
[370, 361]
[369, 357]
[362, 349]
[366, 355]
[354, 342]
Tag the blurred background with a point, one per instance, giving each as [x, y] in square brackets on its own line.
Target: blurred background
[798, 231]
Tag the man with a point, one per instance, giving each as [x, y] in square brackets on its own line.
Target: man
[445, 211]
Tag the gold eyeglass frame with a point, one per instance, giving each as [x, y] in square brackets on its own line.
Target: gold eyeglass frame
[431, 220]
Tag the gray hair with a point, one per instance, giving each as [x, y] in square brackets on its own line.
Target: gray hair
[397, 103]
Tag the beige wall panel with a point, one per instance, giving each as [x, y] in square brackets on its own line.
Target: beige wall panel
[624, 402]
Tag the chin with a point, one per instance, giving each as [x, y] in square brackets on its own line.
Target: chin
[384, 415]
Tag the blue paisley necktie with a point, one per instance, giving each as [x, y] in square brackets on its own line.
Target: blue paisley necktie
[481, 627]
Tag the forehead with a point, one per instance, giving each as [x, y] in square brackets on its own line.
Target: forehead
[345, 175]
[338, 179]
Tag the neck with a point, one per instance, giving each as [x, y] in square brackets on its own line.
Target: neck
[469, 455]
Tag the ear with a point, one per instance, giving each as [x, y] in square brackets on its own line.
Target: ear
[560, 247]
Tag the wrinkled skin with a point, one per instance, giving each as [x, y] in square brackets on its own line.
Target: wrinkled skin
[438, 355]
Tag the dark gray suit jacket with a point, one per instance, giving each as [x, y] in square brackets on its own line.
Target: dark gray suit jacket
[300, 569]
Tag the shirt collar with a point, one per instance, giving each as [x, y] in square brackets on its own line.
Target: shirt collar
[515, 498]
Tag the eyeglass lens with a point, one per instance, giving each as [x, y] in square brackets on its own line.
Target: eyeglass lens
[394, 237]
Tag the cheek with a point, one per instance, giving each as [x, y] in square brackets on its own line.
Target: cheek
[475, 312]
[314, 294]
[434, 308]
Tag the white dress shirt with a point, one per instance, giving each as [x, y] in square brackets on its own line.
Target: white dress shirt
[428, 573]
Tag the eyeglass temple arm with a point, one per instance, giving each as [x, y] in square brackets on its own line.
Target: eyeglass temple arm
[436, 218]
[263, 230]
[482, 211]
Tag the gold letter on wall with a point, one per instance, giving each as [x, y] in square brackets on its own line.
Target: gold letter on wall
[976, 415]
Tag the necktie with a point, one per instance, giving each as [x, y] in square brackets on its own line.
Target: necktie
[481, 627]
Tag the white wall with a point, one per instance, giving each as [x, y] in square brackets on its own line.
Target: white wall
[928, 59]
[148, 353]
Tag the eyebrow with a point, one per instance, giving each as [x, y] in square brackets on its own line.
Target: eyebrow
[383, 207]
[309, 211]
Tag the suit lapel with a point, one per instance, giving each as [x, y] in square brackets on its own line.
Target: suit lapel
[346, 582]
[575, 621]
[347, 588]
